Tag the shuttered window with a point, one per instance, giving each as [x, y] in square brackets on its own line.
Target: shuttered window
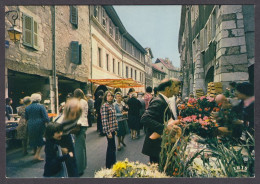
[30, 32]
[117, 34]
[74, 16]
[104, 19]
[96, 11]
[111, 28]
[76, 51]
[35, 34]
[202, 40]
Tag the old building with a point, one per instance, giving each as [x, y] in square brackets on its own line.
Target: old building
[148, 68]
[167, 66]
[216, 44]
[55, 44]
[158, 75]
[115, 53]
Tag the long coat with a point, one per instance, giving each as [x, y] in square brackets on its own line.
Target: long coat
[153, 121]
[134, 113]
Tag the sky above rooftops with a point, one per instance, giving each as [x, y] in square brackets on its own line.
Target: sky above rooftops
[154, 26]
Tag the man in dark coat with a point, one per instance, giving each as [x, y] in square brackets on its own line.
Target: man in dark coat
[245, 109]
[154, 117]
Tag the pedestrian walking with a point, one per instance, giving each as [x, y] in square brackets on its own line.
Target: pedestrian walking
[80, 136]
[71, 113]
[91, 110]
[133, 115]
[121, 119]
[148, 96]
[141, 99]
[97, 106]
[54, 159]
[37, 118]
[110, 126]
[8, 108]
[22, 124]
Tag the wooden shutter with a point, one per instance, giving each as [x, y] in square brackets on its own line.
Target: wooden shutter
[74, 16]
[74, 46]
[27, 30]
[117, 34]
[35, 34]
[80, 54]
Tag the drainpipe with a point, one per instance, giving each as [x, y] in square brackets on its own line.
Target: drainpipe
[91, 62]
[55, 97]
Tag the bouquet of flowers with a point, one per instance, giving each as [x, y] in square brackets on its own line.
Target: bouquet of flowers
[196, 114]
[126, 169]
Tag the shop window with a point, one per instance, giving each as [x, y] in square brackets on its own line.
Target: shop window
[76, 50]
[30, 32]
[74, 16]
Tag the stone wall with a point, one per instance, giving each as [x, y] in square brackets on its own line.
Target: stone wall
[26, 59]
[232, 53]
[65, 34]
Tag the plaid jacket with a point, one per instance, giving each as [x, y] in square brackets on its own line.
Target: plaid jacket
[108, 118]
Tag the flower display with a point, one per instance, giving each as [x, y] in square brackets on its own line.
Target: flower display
[126, 169]
[196, 113]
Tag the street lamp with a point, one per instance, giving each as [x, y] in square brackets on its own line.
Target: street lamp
[13, 32]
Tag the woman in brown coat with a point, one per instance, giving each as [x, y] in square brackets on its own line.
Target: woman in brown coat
[22, 125]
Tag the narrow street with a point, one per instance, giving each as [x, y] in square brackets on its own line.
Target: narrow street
[18, 166]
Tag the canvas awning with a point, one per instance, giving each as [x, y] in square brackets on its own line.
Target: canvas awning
[117, 83]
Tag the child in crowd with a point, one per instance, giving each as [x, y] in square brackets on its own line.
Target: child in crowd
[54, 165]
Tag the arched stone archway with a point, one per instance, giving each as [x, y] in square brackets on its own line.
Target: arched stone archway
[209, 76]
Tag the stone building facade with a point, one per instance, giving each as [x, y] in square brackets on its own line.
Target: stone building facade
[45, 52]
[148, 68]
[216, 44]
[158, 75]
[167, 66]
[115, 53]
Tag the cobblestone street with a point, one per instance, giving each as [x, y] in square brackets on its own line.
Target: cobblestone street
[18, 166]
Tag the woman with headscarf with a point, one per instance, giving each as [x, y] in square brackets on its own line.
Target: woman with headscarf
[36, 117]
[80, 137]
[22, 125]
[110, 126]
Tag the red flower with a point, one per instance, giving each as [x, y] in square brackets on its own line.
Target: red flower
[206, 109]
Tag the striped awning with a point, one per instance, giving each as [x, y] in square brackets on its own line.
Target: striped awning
[117, 83]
